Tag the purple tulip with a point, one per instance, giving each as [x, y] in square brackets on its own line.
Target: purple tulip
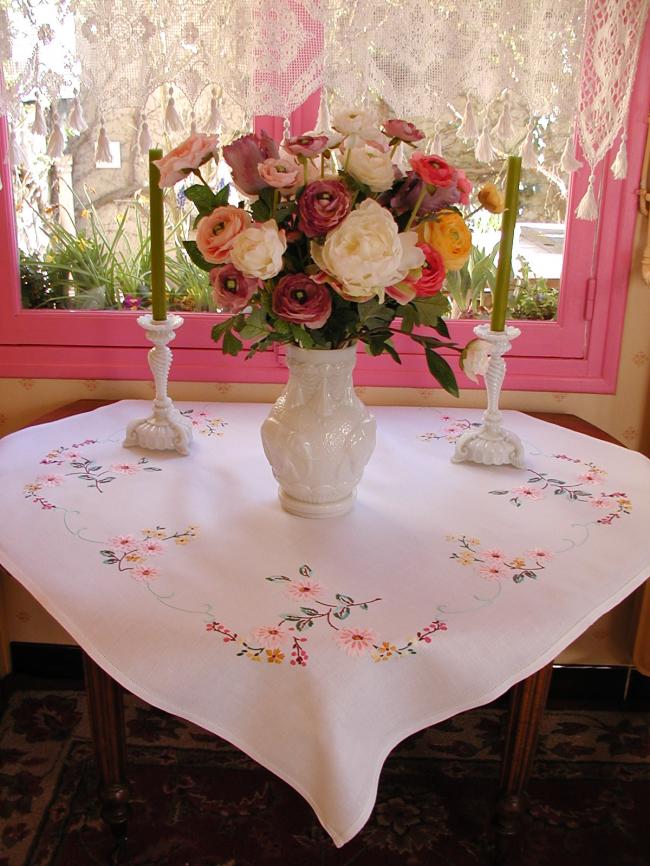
[244, 155]
[406, 196]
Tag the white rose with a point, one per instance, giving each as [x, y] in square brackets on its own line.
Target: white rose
[474, 359]
[371, 166]
[366, 252]
[258, 250]
[359, 125]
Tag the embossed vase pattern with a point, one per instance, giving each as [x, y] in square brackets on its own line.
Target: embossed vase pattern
[319, 436]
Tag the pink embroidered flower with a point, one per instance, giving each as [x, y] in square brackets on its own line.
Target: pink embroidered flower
[306, 145]
[592, 476]
[186, 158]
[528, 492]
[50, 480]
[540, 554]
[403, 130]
[150, 547]
[124, 468]
[123, 542]
[70, 455]
[355, 641]
[601, 501]
[492, 571]
[494, 555]
[270, 636]
[304, 589]
[145, 572]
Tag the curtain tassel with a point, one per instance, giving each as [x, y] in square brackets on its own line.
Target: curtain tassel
[56, 141]
[588, 207]
[144, 138]
[484, 151]
[16, 153]
[504, 130]
[468, 129]
[619, 166]
[173, 120]
[76, 120]
[215, 121]
[323, 121]
[528, 153]
[436, 144]
[568, 161]
[39, 126]
[103, 150]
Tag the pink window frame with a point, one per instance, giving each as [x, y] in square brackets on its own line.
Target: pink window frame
[579, 352]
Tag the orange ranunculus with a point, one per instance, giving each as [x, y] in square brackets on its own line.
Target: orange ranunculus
[448, 234]
[491, 198]
[217, 231]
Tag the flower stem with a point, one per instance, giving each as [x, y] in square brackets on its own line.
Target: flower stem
[274, 206]
[394, 149]
[322, 165]
[415, 210]
[197, 172]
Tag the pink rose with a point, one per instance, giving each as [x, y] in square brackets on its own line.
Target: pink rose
[432, 169]
[322, 206]
[280, 173]
[403, 130]
[244, 155]
[186, 158]
[232, 290]
[217, 231]
[299, 299]
[433, 273]
[306, 145]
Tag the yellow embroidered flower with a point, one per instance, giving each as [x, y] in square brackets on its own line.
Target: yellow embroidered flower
[154, 533]
[385, 651]
[474, 541]
[274, 656]
[518, 562]
[466, 557]
[133, 557]
[450, 538]
[254, 657]
[33, 487]
[625, 503]
[183, 539]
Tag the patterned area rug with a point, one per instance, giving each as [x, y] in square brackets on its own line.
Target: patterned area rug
[197, 801]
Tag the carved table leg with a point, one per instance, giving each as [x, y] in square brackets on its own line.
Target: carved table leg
[524, 721]
[107, 727]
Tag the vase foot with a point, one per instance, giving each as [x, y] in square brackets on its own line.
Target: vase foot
[316, 509]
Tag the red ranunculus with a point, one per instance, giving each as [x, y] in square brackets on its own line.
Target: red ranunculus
[231, 289]
[433, 273]
[403, 130]
[432, 169]
[298, 299]
[322, 206]
[244, 155]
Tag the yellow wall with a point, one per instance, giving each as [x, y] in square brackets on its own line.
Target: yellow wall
[625, 415]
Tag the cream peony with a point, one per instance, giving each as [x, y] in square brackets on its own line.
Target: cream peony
[371, 166]
[258, 251]
[366, 252]
[474, 359]
[359, 125]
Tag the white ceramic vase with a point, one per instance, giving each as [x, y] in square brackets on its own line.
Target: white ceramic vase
[319, 436]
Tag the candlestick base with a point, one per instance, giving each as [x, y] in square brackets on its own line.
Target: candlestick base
[165, 429]
[492, 444]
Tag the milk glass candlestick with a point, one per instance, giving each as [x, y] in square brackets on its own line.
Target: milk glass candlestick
[157, 239]
[491, 444]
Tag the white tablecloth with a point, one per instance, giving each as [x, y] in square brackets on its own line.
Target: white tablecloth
[316, 646]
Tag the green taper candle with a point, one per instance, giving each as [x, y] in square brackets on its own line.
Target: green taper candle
[157, 235]
[508, 221]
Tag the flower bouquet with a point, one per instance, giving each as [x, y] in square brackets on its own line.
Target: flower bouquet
[335, 243]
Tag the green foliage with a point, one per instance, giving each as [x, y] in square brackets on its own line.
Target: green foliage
[531, 296]
[467, 286]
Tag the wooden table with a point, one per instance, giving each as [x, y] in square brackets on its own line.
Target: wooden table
[527, 702]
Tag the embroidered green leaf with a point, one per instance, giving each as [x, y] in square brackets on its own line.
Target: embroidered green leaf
[342, 613]
[518, 578]
[499, 492]
[305, 570]
[344, 598]
[279, 577]
[309, 611]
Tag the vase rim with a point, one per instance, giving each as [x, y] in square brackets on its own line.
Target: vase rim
[321, 356]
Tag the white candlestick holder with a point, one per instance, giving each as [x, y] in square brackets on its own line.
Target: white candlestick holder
[491, 444]
[165, 429]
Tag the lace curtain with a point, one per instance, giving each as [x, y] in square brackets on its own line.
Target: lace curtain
[495, 68]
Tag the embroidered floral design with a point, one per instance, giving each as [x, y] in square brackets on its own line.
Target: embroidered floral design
[453, 429]
[271, 642]
[203, 423]
[130, 553]
[540, 484]
[82, 467]
[494, 564]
